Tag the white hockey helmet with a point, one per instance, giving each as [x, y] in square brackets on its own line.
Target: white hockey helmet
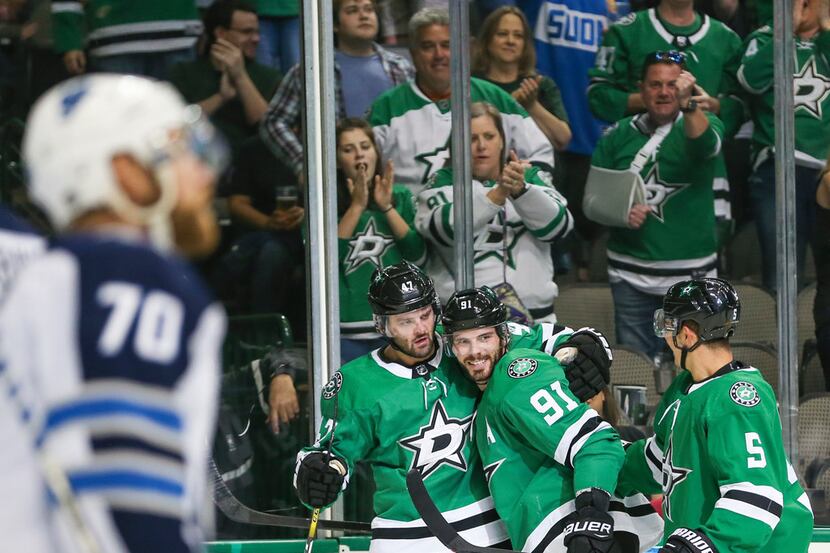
[76, 128]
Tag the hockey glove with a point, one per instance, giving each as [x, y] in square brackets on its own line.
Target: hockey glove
[592, 528]
[589, 371]
[684, 540]
[319, 482]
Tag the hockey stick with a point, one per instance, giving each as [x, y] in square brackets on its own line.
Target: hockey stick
[436, 522]
[237, 511]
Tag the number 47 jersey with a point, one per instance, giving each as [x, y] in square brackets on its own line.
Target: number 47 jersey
[718, 459]
[109, 368]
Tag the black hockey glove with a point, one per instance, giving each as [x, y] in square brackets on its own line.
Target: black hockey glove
[317, 482]
[589, 372]
[684, 540]
[591, 529]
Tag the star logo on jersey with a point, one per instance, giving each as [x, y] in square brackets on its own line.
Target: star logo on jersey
[492, 243]
[367, 246]
[672, 477]
[659, 192]
[520, 368]
[440, 442]
[811, 89]
[490, 469]
[434, 160]
[744, 393]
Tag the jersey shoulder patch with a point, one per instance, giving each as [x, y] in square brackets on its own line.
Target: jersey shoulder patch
[333, 386]
[627, 19]
[522, 367]
[745, 394]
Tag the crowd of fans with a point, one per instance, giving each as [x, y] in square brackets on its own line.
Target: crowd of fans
[559, 90]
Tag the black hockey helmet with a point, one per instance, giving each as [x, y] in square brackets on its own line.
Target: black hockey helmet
[474, 308]
[401, 288]
[712, 303]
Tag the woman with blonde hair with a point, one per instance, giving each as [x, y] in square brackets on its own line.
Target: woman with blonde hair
[505, 57]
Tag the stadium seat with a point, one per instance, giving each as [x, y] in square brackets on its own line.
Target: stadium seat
[811, 375]
[813, 432]
[758, 316]
[761, 356]
[743, 255]
[587, 304]
[804, 319]
[634, 368]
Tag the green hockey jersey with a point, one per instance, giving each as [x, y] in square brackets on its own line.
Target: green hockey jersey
[677, 240]
[811, 83]
[414, 131]
[713, 52]
[397, 418]
[505, 238]
[718, 459]
[373, 245]
[540, 446]
[111, 27]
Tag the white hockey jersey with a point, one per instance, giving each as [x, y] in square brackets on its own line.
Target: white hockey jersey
[109, 371]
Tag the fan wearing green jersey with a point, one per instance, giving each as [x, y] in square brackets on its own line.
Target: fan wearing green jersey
[811, 86]
[375, 228]
[717, 454]
[550, 461]
[660, 247]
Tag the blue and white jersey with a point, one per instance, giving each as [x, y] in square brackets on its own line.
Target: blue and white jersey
[567, 35]
[110, 360]
[18, 243]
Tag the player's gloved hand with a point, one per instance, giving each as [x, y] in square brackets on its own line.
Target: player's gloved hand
[592, 528]
[589, 371]
[684, 540]
[317, 481]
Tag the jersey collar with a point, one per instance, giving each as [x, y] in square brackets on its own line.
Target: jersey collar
[723, 371]
[679, 41]
[420, 370]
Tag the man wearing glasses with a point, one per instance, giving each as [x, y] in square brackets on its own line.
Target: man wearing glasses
[674, 147]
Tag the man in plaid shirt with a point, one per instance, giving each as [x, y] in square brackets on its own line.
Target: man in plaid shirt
[362, 70]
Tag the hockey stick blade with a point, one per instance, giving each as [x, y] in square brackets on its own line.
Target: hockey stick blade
[436, 522]
[235, 510]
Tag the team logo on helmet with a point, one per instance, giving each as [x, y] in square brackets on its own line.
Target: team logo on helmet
[744, 393]
[522, 367]
[333, 386]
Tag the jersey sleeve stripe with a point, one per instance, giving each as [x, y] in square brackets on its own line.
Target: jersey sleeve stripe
[552, 333]
[768, 494]
[654, 460]
[748, 510]
[804, 500]
[576, 435]
[434, 231]
[592, 427]
[757, 500]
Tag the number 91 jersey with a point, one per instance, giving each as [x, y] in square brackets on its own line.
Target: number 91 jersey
[718, 457]
[110, 367]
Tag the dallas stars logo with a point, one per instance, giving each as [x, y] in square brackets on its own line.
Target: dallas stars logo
[367, 246]
[434, 160]
[659, 192]
[687, 290]
[492, 242]
[811, 89]
[744, 393]
[490, 469]
[672, 477]
[440, 442]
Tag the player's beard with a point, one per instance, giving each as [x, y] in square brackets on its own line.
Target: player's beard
[480, 373]
[418, 351]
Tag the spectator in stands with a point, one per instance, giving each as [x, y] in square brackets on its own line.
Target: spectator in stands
[505, 57]
[226, 81]
[412, 121]
[811, 83]
[516, 214]
[673, 236]
[362, 70]
[395, 14]
[265, 264]
[821, 307]
[123, 36]
[712, 53]
[566, 58]
[279, 34]
[375, 229]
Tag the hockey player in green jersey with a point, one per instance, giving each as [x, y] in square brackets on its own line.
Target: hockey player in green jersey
[400, 407]
[551, 462]
[717, 454]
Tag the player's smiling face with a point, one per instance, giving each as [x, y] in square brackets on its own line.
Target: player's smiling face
[355, 153]
[487, 148]
[414, 332]
[508, 42]
[478, 350]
